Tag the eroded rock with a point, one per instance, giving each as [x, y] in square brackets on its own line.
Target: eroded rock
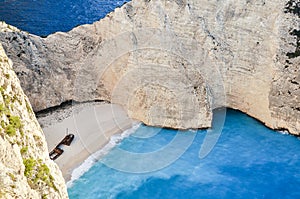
[26, 169]
[239, 51]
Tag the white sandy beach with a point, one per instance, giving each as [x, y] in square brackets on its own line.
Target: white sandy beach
[92, 124]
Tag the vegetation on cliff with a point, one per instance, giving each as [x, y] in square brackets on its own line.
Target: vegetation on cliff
[26, 170]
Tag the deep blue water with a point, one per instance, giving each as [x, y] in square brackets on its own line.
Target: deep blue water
[248, 161]
[43, 17]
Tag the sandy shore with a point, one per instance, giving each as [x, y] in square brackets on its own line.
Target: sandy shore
[92, 124]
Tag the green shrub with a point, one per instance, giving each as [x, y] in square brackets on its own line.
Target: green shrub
[3, 87]
[30, 165]
[36, 171]
[10, 130]
[15, 121]
[2, 108]
[24, 150]
[21, 132]
[14, 124]
[3, 124]
[44, 196]
[28, 107]
[15, 98]
[42, 173]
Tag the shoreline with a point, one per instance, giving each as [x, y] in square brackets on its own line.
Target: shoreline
[95, 157]
[93, 124]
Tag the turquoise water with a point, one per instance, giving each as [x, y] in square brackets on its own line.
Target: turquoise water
[248, 161]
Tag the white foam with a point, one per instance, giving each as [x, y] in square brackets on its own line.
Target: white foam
[93, 158]
[284, 132]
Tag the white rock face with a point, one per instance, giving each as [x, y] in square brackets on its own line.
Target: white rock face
[169, 63]
[26, 170]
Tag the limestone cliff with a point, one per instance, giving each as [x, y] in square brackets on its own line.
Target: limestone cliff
[169, 63]
[26, 170]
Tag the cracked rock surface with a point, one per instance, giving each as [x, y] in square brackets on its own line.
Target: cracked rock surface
[26, 169]
[169, 63]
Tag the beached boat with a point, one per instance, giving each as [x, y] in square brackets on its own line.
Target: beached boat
[57, 151]
[67, 140]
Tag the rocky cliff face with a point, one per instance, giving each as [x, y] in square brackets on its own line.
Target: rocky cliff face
[26, 170]
[169, 63]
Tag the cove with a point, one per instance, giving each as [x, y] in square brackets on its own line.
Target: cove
[248, 161]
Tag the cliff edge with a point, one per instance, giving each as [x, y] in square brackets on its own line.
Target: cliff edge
[26, 170]
[169, 63]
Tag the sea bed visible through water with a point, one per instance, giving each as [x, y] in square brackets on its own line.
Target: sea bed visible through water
[247, 161]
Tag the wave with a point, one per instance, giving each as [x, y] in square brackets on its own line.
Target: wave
[94, 158]
[283, 132]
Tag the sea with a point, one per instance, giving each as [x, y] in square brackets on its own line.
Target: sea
[238, 158]
[44, 17]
